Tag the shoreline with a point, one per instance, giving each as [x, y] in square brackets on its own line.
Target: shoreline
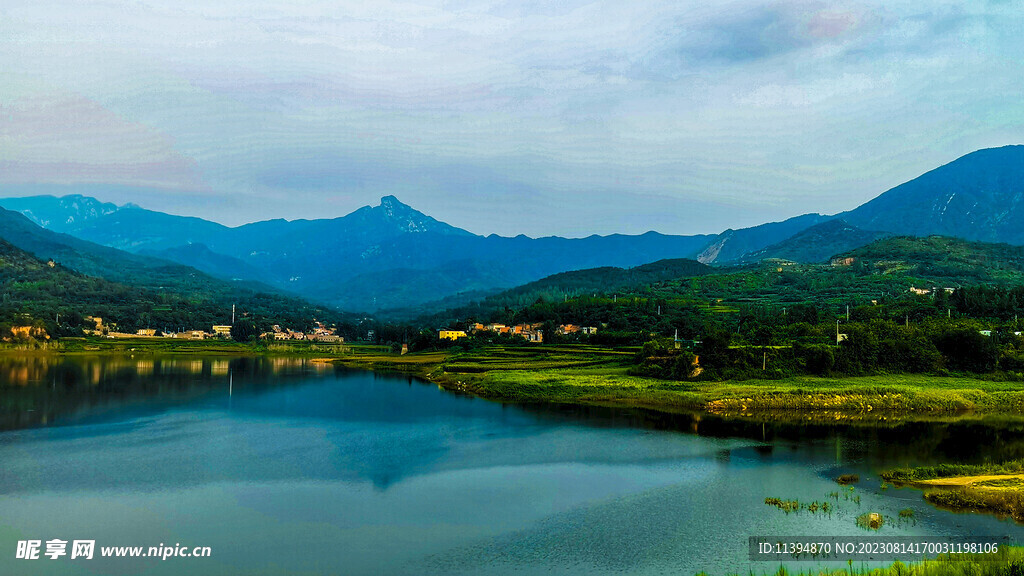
[866, 399]
[591, 375]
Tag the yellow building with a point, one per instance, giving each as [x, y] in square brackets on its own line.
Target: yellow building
[222, 331]
[451, 334]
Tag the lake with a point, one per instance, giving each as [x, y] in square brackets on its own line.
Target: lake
[289, 466]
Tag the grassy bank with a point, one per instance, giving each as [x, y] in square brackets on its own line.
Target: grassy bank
[595, 375]
[599, 375]
[989, 488]
[878, 395]
[952, 474]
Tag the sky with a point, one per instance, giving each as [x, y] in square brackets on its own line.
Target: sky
[522, 117]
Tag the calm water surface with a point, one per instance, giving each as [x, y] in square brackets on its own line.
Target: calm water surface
[285, 466]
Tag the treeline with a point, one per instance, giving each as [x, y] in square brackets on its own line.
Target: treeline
[872, 347]
[970, 329]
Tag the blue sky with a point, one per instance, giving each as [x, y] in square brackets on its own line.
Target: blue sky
[541, 118]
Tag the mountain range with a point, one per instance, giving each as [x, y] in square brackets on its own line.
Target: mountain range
[393, 256]
[56, 280]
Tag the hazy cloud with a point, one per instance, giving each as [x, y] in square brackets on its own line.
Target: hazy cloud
[605, 116]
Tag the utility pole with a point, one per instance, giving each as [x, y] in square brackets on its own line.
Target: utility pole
[847, 312]
[232, 314]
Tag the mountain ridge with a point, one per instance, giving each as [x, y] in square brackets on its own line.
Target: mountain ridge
[979, 196]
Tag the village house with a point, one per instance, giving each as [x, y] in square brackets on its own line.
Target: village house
[188, 335]
[566, 329]
[531, 335]
[29, 332]
[520, 329]
[451, 334]
[222, 331]
[146, 332]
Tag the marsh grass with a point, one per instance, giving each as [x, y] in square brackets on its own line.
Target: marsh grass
[790, 506]
[1001, 502]
[909, 475]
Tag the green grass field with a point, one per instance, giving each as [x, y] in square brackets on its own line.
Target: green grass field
[865, 396]
[596, 375]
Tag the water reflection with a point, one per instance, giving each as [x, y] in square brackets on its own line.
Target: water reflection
[286, 465]
[46, 390]
[42, 390]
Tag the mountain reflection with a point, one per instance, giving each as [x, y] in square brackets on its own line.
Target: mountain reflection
[383, 428]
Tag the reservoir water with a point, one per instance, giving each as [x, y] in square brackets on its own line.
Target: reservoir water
[289, 466]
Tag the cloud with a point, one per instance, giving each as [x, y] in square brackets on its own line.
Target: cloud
[765, 108]
[63, 137]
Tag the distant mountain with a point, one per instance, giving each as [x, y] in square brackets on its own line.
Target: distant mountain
[163, 283]
[410, 285]
[979, 196]
[92, 259]
[135, 229]
[59, 214]
[733, 245]
[200, 257]
[818, 243]
[384, 256]
[393, 256]
[558, 287]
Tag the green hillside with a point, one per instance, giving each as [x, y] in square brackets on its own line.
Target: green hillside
[940, 258]
[964, 279]
[566, 285]
[818, 243]
[56, 298]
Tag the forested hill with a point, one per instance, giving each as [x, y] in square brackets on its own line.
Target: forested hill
[110, 263]
[48, 295]
[942, 258]
[565, 285]
[879, 276]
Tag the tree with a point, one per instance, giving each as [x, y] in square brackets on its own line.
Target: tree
[244, 330]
